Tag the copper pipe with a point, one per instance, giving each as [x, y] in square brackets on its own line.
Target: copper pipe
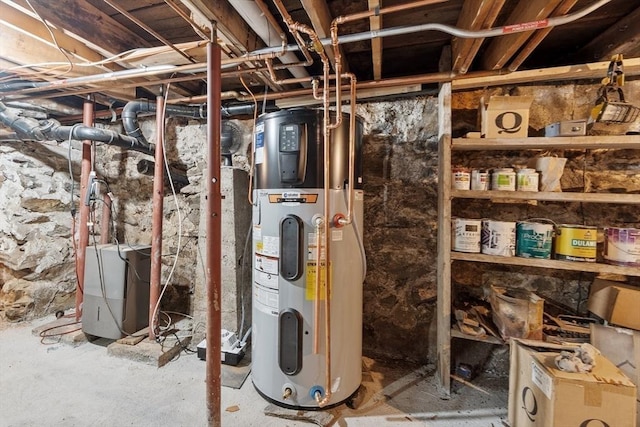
[148, 29]
[106, 220]
[213, 274]
[317, 294]
[390, 9]
[83, 238]
[156, 225]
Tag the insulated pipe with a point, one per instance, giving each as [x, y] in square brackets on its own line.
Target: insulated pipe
[156, 225]
[213, 274]
[83, 239]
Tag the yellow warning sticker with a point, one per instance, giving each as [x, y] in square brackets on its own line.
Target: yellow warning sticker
[310, 290]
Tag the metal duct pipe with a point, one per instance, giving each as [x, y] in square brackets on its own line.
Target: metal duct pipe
[29, 129]
[132, 109]
[454, 31]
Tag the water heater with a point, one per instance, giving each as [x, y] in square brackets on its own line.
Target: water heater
[298, 362]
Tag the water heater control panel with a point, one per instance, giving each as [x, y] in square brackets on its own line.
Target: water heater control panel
[290, 144]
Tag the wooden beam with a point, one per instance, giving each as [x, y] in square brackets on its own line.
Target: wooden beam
[375, 23]
[35, 28]
[228, 21]
[88, 22]
[320, 17]
[594, 70]
[622, 37]
[475, 15]
[502, 48]
[539, 35]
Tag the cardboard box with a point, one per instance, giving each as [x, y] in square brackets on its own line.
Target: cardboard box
[621, 346]
[615, 302]
[505, 116]
[542, 395]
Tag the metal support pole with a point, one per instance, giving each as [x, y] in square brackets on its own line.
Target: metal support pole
[214, 234]
[105, 230]
[156, 225]
[83, 239]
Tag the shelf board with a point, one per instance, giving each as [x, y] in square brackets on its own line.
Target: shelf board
[623, 198]
[590, 267]
[455, 333]
[545, 143]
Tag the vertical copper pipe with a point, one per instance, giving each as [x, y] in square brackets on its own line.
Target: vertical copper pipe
[83, 240]
[106, 220]
[214, 231]
[156, 224]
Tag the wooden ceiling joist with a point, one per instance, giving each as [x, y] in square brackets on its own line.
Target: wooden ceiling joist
[503, 48]
[320, 17]
[562, 9]
[375, 22]
[475, 15]
[622, 37]
[89, 23]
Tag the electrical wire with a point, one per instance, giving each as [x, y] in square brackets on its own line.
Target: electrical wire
[43, 334]
[53, 37]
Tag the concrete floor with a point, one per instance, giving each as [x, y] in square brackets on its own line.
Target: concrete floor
[64, 385]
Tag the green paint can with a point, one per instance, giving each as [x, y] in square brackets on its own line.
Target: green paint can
[534, 240]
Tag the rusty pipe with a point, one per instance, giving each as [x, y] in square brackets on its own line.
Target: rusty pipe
[106, 219]
[83, 238]
[213, 266]
[156, 225]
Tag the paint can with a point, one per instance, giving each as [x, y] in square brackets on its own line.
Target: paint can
[527, 180]
[576, 242]
[498, 237]
[461, 178]
[466, 235]
[534, 240]
[503, 179]
[622, 246]
[480, 179]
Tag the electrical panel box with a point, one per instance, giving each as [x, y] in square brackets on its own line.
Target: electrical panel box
[116, 290]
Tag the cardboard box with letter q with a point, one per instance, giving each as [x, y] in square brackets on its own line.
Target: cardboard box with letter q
[541, 395]
[505, 116]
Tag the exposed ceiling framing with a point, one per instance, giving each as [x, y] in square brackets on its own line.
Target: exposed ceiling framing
[100, 36]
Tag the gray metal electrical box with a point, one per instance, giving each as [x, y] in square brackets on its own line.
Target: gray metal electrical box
[116, 290]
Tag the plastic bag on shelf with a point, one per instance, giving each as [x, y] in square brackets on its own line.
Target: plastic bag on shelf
[517, 313]
[551, 169]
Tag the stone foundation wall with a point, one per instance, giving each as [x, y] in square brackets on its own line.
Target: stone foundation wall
[400, 160]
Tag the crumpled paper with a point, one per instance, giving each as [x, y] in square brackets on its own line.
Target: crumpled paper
[583, 359]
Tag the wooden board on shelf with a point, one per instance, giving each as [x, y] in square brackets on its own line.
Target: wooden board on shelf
[621, 198]
[590, 267]
[547, 143]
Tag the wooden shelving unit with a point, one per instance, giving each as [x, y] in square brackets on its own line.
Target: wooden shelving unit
[445, 195]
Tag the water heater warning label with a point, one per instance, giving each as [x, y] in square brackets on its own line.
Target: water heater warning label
[310, 291]
[266, 264]
[258, 146]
